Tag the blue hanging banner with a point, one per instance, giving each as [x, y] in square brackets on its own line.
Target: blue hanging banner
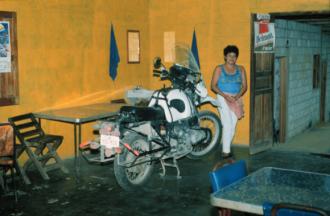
[114, 56]
[194, 49]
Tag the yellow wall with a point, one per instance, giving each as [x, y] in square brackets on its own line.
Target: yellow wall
[63, 47]
[63, 55]
[217, 24]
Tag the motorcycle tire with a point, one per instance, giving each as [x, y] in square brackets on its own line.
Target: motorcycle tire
[214, 125]
[135, 177]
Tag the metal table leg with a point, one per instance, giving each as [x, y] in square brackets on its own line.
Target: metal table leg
[78, 149]
[77, 140]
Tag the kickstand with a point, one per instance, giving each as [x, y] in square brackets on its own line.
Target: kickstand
[174, 164]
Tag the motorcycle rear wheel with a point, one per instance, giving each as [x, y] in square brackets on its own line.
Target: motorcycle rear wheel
[212, 123]
[137, 176]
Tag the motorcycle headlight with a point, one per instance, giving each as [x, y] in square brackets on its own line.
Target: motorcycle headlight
[201, 89]
[198, 78]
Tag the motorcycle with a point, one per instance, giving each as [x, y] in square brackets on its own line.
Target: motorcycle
[169, 128]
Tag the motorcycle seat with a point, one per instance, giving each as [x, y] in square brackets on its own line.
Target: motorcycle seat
[144, 113]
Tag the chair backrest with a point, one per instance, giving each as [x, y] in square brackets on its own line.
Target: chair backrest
[26, 127]
[7, 144]
[287, 209]
[227, 174]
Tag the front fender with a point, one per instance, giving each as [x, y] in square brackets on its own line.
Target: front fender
[209, 99]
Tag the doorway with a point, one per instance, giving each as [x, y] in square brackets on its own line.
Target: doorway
[275, 115]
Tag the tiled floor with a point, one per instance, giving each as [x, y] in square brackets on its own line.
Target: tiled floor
[97, 193]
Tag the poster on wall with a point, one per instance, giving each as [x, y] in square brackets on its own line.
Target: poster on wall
[5, 49]
[169, 46]
[133, 46]
[264, 37]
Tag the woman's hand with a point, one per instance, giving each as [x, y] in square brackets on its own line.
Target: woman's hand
[229, 98]
[237, 96]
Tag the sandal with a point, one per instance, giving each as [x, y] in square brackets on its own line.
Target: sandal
[226, 155]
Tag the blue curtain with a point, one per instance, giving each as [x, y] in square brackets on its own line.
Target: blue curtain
[114, 56]
[194, 49]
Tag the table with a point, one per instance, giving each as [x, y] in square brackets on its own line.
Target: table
[275, 185]
[77, 116]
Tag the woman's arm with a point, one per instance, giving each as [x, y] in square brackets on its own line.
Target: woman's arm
[244, 83]
[215, 78]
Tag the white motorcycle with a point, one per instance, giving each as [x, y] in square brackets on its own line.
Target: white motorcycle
[169, 128]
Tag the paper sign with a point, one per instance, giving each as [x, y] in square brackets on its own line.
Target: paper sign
[169, 46]
[109, 141]
[133, 46]
[264, 37]
[5, 48]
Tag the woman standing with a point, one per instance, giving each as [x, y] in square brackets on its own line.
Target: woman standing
[229, 83]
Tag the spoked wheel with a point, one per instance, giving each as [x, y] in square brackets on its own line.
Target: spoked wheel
[211, 124]
[131, 178]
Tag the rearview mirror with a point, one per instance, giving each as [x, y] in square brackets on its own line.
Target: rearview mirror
[157, 62]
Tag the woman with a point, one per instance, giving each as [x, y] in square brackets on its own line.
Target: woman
[229, 83]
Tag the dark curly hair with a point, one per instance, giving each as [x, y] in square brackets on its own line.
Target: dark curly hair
[231, 49]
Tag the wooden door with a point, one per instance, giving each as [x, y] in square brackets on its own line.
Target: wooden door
[283, 99]
[261, 133]
[323, 85]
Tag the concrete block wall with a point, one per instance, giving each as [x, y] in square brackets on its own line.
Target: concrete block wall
[299, 42]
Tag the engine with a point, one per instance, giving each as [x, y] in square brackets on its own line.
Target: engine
[183, 135]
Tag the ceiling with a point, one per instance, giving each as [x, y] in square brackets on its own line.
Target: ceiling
[321, 19]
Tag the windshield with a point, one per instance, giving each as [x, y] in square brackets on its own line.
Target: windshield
[184, 57]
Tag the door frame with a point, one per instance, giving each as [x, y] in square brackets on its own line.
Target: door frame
[323, 90]
[252, 79]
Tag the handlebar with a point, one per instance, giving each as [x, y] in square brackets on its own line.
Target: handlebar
[177, 75]
[156, 73]
[163, 74]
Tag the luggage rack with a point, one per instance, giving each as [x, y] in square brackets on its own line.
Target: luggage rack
[96, 156]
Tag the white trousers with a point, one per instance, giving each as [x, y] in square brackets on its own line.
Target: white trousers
[228, 121]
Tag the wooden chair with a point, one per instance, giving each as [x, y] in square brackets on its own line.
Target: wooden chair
[7, 138]
[288, 209]
[7, 156]
[224, 173]
[39, 146]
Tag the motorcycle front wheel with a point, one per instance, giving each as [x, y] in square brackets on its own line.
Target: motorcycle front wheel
[212, 124]
[136, 176]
